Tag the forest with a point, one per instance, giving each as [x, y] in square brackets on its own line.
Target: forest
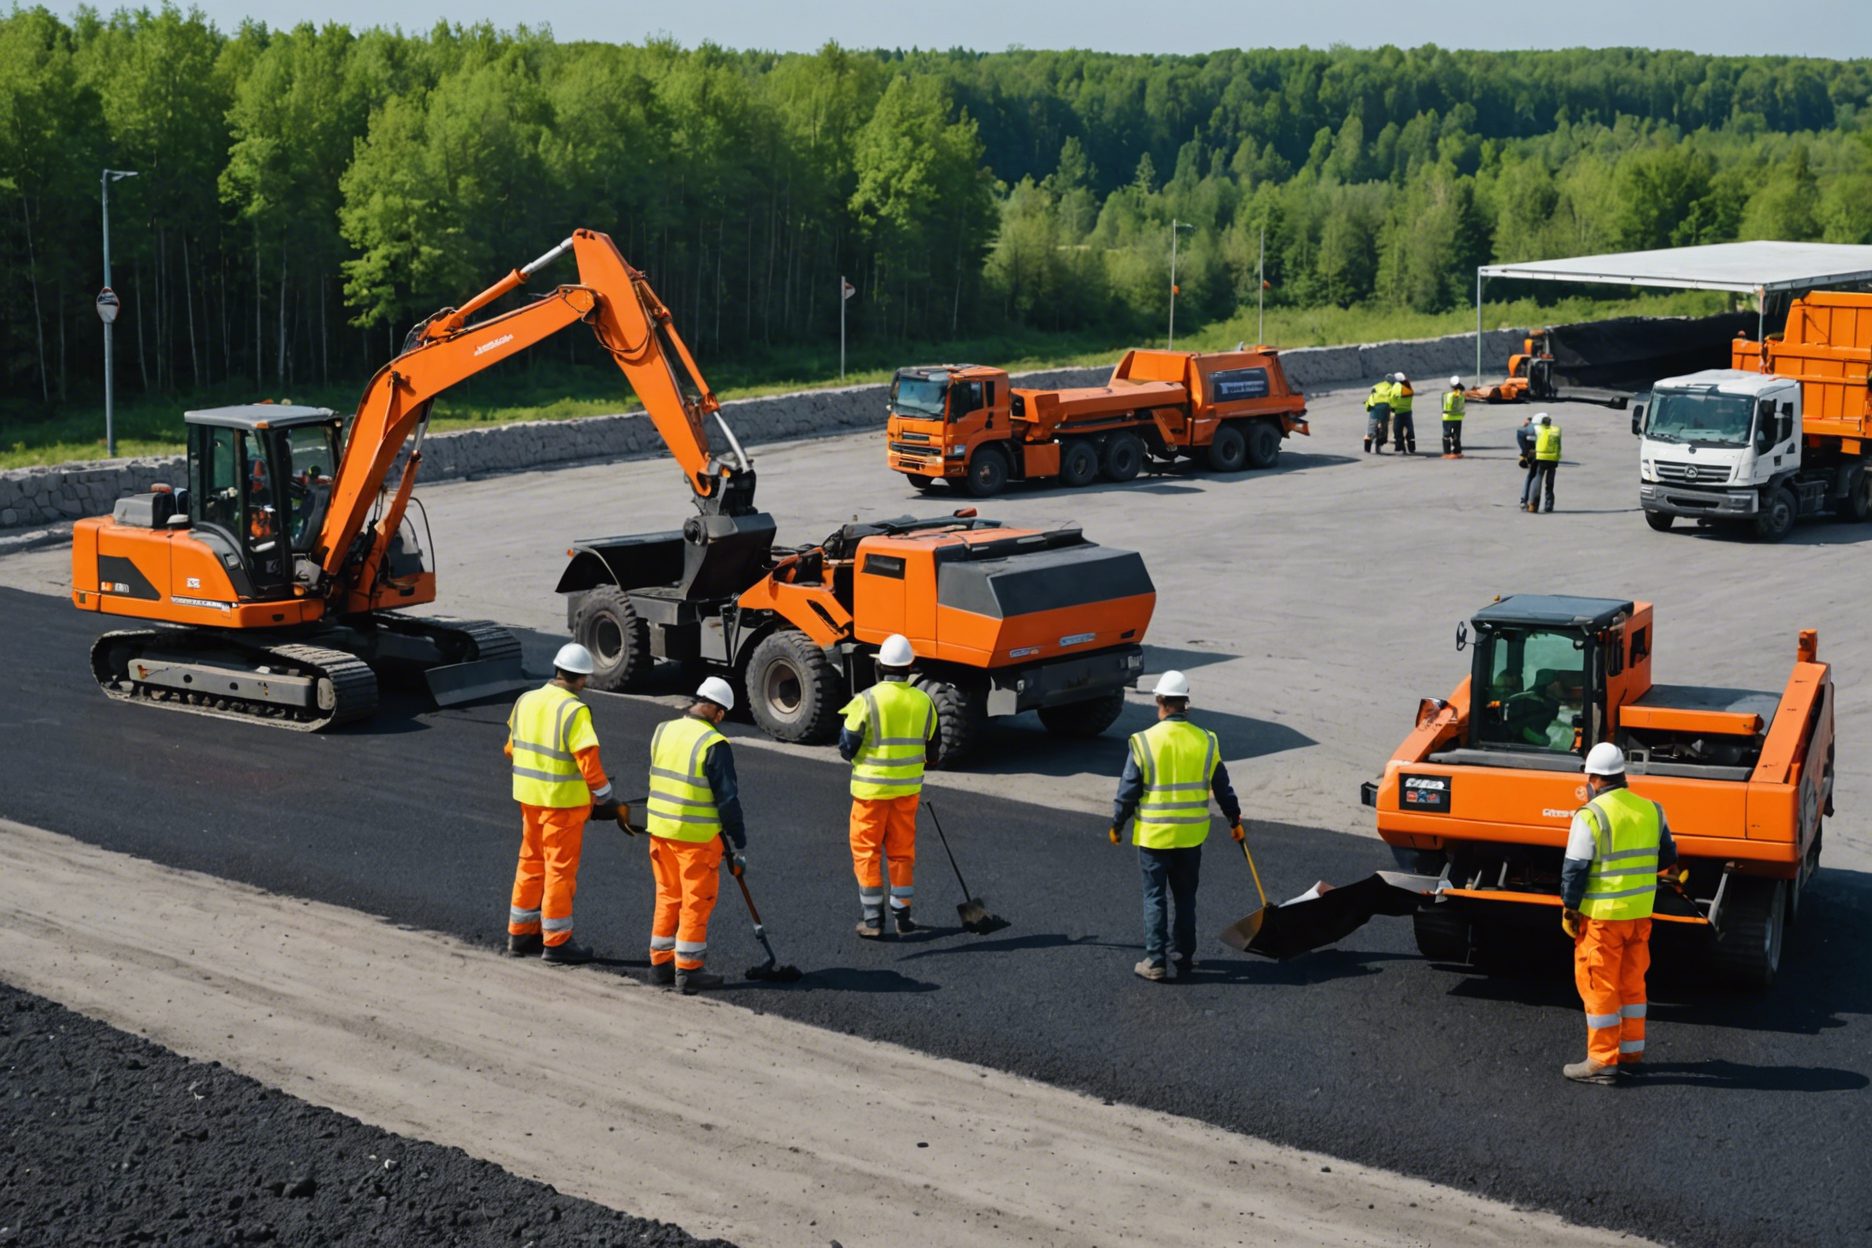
[303, 196]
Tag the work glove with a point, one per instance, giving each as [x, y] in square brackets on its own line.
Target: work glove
[1570, 922]
[1112, 832]
[737, 863]
[607, 809]
[1238, 832]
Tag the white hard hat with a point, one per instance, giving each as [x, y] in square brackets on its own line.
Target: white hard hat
[1401, 376]
[1172, 685]
[896, 651]
[718, 691]
[1454, 382]
[573, 658]
[1542, 418]
[1605, 759]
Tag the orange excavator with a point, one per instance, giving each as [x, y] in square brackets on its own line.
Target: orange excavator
[279, 576]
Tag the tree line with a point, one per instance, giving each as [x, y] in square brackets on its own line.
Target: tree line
[303, 196]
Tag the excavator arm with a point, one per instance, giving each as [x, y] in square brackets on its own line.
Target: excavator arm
[629, 321]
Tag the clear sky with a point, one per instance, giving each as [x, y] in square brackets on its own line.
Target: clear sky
[1836, 28]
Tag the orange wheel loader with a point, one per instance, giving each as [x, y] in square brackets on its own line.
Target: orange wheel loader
[1484, 788]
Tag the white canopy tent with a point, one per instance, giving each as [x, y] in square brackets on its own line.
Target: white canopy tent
[1757, 268]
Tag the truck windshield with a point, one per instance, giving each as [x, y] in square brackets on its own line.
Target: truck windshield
[919, 396]
[1704, 417]
[1535, 692]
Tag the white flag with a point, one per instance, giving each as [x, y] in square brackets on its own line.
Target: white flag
[846, 289]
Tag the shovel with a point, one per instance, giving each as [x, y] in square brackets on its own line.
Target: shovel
[772, 969]
[975, 916]
[1242, 932]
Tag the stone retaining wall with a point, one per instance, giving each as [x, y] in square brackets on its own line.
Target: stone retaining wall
[39, 496]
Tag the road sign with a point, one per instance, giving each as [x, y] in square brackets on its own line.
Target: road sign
[107, 305]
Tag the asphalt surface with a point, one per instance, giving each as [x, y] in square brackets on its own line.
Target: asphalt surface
[1749, 1126]
[106, 1138]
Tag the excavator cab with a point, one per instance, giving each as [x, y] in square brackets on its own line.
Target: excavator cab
[1541, 670]
[260, 480]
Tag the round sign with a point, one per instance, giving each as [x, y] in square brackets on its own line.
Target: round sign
[107, 305]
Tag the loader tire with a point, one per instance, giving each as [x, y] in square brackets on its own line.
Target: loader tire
[1123, 458]
[793, 691]
[1748, 953]
[987, 473]
[619, 640]
[1084, 719]
[1228, 450]
[961, 719]
[1079, 463]
[1264, 444]
[1442, 933]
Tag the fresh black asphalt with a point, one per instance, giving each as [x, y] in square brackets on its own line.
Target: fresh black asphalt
[1750, 1127]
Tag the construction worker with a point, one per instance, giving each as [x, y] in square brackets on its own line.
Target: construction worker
[694, 803]
[559, 782]
[1403, 426]
[1378, 414]
[889, 734]
[1524, 441]
[1172, 770]
[1546, 462]
[1454, 401]
[1608, 885]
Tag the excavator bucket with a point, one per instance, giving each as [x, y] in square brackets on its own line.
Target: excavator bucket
[455, 684]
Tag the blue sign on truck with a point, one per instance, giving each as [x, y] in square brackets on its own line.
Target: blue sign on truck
[1232, 384]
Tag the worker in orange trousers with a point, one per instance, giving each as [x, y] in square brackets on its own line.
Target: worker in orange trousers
[560, 782]
[694, 803]
[889, 734]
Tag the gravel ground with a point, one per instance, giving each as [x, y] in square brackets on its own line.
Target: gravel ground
[106, 1138]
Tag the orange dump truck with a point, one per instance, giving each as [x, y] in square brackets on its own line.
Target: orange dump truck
[1484, 788]
[964, 423]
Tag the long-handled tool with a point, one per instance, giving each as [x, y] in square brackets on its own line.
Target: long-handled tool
[772, 968]
[1238, 934]
[975, 916]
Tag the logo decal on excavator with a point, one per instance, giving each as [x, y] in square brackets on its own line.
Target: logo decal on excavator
[491, 343]
[1430, 793]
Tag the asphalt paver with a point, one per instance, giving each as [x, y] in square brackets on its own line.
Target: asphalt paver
[1748, 1125]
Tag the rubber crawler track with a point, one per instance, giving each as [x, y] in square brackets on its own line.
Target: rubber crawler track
[353, 685]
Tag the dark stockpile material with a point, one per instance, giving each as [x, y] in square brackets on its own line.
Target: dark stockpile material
[1631, 352]
[106, 1138]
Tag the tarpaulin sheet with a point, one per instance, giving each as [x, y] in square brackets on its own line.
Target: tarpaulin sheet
[1321, 918]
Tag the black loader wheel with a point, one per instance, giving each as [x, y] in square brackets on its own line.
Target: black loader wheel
[1264, 444]
[1084, 719]
[1228, 452]
[1660, 521]
[961, 719]
[1442, 933]
[1123, 458]
[1754, 921]
[1775, 520]
[987, 473]
[607, 625]
[793, 691]
[1079, 463]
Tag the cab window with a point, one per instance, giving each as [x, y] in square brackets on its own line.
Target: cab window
[311, 453]
[1535, 692]
[220, 465]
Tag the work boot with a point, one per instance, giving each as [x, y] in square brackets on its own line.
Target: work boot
[871, 927]
[663, 974]
[523, 946]
[1153, 971]
[1368, 446]
[568, 954]
[905, 924]
[1590, 1071]
[1185, 967]
[691, 982]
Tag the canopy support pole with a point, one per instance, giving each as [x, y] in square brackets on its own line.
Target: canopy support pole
[1477, 379]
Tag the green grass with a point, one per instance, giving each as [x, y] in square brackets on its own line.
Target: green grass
[538, 389]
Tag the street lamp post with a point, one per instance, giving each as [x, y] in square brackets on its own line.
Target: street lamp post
[107, 305]
[1175, 228]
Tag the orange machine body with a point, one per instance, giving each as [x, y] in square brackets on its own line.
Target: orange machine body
[1827, 347]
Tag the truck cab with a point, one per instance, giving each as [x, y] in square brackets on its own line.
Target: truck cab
[939, 414]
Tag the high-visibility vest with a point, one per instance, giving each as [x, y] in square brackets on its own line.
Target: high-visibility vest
[547, 728]
[1626, 831]
[681, 806]
[1547, 443]
[1401, 397]
[1178, 761]
[1380, 396]
[898, 719]
[1453, 404]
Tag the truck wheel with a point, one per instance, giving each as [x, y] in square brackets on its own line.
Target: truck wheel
[606, 624]
[1858, 504]
[1264, 444]
[1228, 451]
[987, 473]
[792, 688]
[922, 483]
[1442, 933]
[1775, 520]
[1124, 457]
[1748, 953]
[1660, 521]
[961, 719]
[1079, 463]
[1084, 719]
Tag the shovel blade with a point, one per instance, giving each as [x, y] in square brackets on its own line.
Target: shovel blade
[456, 683]
[976, 918]
[1240, 934]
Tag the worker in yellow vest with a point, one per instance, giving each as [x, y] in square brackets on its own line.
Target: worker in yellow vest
[559, 782]
[1403, 424]
[1608, 886]
[695, 802]
[1172, 770]
[1546, 463]
[1378, 414]
[1454, 401]
[888, 736]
